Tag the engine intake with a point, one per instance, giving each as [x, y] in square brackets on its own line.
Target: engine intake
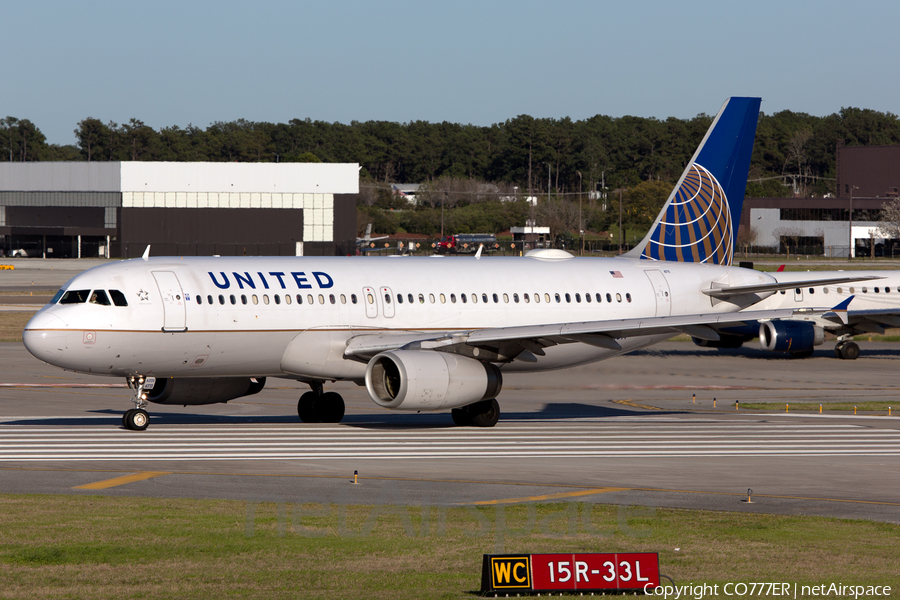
[790, 336]
[428, 380]
[201, 390]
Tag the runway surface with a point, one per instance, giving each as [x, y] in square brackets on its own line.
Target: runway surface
[636, 430]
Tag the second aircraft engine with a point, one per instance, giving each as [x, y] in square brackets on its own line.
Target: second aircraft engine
[429, 380]
[202, 390]
[790, 336]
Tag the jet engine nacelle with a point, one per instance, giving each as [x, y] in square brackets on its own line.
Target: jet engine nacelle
[200, 390]
[429, 380]
[790, 336]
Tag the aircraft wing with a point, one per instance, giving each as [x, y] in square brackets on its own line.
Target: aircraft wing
[506, 343]
[739, 290]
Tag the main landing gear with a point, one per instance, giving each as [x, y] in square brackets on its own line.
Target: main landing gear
[846, 349]
[320, 407]
[136, 419]
[481, 414]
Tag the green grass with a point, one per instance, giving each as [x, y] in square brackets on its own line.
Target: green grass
[12, 324]
[111, 547]
[826, 406]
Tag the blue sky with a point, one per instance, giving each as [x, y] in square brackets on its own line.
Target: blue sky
[197, 62]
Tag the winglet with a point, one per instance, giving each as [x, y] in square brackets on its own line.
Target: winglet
[480, 248]
[840, 311]
[146, 254]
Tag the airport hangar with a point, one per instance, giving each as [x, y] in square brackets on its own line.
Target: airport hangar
[115, 209]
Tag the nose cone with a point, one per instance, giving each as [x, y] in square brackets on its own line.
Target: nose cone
[45, 337]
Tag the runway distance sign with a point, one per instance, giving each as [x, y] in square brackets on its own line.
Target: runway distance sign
[569, 572]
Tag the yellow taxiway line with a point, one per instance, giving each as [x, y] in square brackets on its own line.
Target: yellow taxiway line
[108, 483]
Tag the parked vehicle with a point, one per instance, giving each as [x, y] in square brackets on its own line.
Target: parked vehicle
[466, 242]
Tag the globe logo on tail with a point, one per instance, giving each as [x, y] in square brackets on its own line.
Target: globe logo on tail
[696, 223]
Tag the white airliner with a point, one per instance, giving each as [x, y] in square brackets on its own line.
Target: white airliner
[422, 334]
[876, 307]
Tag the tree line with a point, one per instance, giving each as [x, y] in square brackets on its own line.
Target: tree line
[519, 157]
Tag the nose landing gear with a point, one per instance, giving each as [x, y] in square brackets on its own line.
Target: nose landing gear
[136, 419]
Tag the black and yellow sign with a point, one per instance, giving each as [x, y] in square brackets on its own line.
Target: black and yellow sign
[512, 571]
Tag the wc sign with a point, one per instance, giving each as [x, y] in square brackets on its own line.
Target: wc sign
[569, 572]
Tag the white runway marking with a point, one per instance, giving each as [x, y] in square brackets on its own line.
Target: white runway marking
[511, 440]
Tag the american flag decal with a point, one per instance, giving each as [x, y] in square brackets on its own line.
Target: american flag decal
[617, 274]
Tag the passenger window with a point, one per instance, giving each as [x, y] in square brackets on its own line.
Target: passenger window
[410, 298]
[547, 298]
[232, 299]
[100, 297]
[370, 299]
[516, 298]
[496, 299]
[568, 298]
[443, 299]
[474, 298]
[118, 298]
[609, 297]
[825, 290]
[852, 290]
[865, 290]
[332, 299]
[243, 299]
[453, 298]
[75, 297]
[578, 298]
[343, 299]
[587, 298]
[209, 299]
[309, 299]
[557, 298]
[628, 297]
[506, 298]
[353, 298]
[599, 297]
[254, 299]
[431, 298]
[463, 298]
[887, 290]
[421, 299]
[287, 298]
[321, 299]
[265, 298]
[277, 298]
[199, 299]
[876, 290]
[783, 292]
[537, 297]
[839, 291]
[399, 298]
[525, 298]
[618, 297]
[387, 298]
[484, 298]
[221, 299]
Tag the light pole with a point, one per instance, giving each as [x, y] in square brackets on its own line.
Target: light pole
[580, 224]
[850, 249]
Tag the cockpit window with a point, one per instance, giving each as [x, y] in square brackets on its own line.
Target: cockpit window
[57, 296]
[75, 297]
[118, 298]
[99, 297]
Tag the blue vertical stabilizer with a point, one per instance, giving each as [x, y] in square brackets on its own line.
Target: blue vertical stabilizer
[699, 221]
